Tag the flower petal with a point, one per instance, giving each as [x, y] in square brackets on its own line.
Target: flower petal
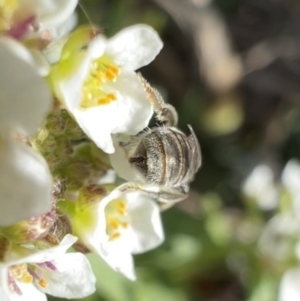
[275, 239]
[59, 33]
[120, 164]
[4, 289]
[52, 12]
[24, 97]
[134, 47]
[143, 233]
[289, 288]
[291, 176]
[260, 186]
[147, 231]
[129, 113]
[45, 254]
[69, 89]
[120, 261]
[25, 183]
[29, 293]
[73, 277]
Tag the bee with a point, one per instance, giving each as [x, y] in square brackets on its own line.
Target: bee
[163, 159]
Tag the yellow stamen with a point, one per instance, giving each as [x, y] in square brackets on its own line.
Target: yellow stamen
[107, 99]
[114, 236]
[42, 283]
[21, 273]
[116, 218]
[102, 70]
[26, 278]
[18, 271]
[124, 225]
[120, 205]
[112, 223]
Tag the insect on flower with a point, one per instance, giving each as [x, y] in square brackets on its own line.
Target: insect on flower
[163, 160]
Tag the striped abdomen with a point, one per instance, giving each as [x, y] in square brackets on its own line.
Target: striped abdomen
[169, 157]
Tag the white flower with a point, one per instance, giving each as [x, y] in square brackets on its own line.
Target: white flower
[47, 22]
[260, 186]
[104, 94]
[289, 288]
[55, 19]
[58, 36]
[50, 13]
[24, 96]
[25, 181]
[276, 237]
[125, 224]
[19, 15]
[51, 271]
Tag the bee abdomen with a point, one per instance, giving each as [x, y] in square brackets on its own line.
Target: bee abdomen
[168, 156]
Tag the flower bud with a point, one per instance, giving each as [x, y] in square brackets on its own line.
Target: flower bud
[56, 233]
[27, 231]
[92, 194]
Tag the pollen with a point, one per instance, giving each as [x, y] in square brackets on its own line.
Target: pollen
[27, 278]
[20, 272]
[116, 219]
[112, 223]
[124, 225]
[108, 98]
[114, 236]
[93, 94]
[42, 283]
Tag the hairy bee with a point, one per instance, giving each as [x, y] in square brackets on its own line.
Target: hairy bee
[163, 159]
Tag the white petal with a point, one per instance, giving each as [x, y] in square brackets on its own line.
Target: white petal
[24, 97]
[73, 277]
[118, 259]
[291, 176]
[147, 231]
[144, 233]
[59, 35]
[289, 288]
[129, 114]
[120, 164]
[4, 289]
[134, 46]
[108, 178]
[133, 110]
[121, 262]
[25, 183]
[260, 186]
[51, 12]
[70, 88]
[45, 254]
[16, 49]
[276, 237]
[96, 240]
[41, 64]
[29, 293]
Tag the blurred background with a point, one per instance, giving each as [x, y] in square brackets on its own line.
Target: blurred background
[232, 70]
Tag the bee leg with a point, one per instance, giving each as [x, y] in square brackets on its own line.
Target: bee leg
[165, 197]
[165, 113]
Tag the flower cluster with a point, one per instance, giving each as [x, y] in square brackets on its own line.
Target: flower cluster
[65, 94]
[279, 240]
